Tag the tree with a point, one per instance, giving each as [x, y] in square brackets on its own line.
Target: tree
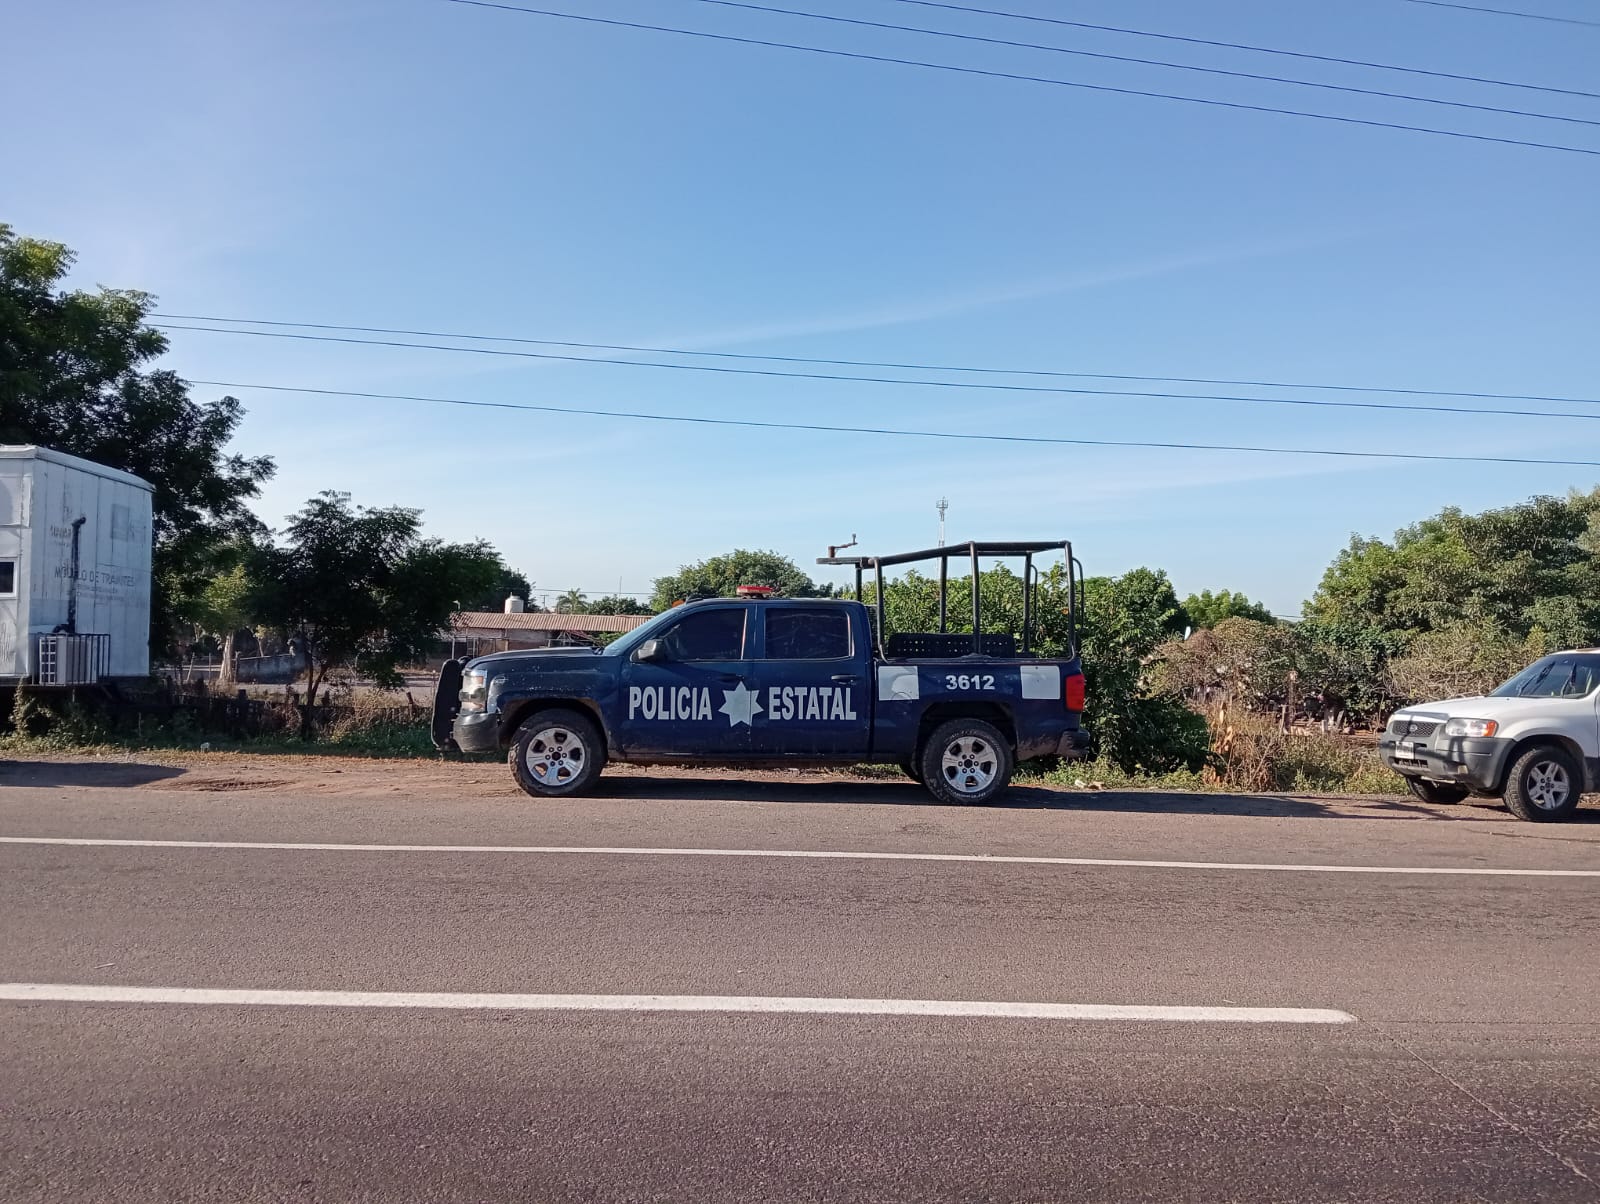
[362, 589]
[1531, 566]
[720, 576]
[510, 583]
[1134, 723]
[75, 376]
[571, 603]
[223, 607]
[616, 604]
[1452, 600]
[1206, 609]
[1344, 665]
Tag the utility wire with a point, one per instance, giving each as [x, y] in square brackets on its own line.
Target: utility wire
[1319, 402]
[1032, 79]
[957, 436]
[805, 359]
[1121, 58]
[1506, 12]
[1295, 54]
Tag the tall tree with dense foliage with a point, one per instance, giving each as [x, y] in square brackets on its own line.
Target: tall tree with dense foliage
[1136, 724]
[616, 604]
[509, 583]
[76, 376]
[361, 589]
[1452, 601]
[1532, 566]
[1206, 610]
[720, 576]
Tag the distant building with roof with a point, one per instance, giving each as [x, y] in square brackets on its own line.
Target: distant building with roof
[480, 632]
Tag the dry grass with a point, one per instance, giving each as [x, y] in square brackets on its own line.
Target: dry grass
[1250, 755]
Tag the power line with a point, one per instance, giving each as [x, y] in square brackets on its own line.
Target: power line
[1506, 12]
[1058, 390]
[908, 367]
[957, 436]
[1295, 54]
[1121, 58]
[1032, 79]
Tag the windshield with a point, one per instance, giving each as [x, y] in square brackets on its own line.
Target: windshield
[1566, 675]
[642, 632]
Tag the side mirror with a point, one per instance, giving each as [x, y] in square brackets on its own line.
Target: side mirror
[650, 651]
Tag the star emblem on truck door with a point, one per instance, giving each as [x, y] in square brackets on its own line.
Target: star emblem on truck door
[739, 705]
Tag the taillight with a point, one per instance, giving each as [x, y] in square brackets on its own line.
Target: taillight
[1075, 692]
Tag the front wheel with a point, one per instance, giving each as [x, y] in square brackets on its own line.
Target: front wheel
[556, 754]
[1436, 792]
[1543, 784]
[966, 761]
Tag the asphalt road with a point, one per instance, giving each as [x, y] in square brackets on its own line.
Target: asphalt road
[1469, 1070]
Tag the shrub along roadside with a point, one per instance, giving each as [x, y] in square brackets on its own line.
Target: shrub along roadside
[70, 725]
[1258, 758]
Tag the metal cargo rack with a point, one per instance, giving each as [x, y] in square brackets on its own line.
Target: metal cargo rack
[944, 643]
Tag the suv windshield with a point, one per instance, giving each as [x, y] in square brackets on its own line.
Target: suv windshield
[1566, 675]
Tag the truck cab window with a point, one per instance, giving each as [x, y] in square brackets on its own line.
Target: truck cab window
[708, 635]
[8, 578]
[802, 634]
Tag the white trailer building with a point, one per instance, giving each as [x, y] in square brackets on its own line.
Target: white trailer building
[74, 570]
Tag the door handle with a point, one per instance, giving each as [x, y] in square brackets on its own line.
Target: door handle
[729, 677]
[844, 678]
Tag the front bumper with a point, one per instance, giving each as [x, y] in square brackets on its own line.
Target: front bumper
[1476, 763]
[477, 732]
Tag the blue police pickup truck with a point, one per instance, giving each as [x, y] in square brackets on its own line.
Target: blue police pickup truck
[759, 680]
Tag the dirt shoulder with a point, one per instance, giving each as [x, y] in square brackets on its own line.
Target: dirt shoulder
[344, 776]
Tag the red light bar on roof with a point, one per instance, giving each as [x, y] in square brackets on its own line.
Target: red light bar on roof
[755, 591]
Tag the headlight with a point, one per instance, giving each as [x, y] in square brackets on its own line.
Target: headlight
[473, 694]
[1471, 727]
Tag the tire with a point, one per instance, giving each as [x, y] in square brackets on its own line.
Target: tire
[1436, 792]
[1544, 784]
[966, 762]
[912, 770]
[557, 754]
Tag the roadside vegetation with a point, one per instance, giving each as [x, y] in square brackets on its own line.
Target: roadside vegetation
[353, 726]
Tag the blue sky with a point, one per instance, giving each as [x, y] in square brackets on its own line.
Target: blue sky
[427, 165]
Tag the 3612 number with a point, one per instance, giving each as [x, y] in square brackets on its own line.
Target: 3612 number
[969, 681]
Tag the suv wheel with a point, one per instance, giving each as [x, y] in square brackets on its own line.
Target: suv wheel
[965, 761]
[1436, 792]
[1543, 784]
[556, 754]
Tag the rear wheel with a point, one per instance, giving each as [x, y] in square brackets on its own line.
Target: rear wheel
[966, 761]
[1543, 784]
[1436, 792]
[556, 754]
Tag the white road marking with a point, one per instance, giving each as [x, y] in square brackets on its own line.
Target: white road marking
[38, 992]
[805, 854]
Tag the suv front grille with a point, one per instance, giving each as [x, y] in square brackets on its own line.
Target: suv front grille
[1402, 726]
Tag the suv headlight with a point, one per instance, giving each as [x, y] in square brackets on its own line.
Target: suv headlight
[473, 695]
[1471, 727]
